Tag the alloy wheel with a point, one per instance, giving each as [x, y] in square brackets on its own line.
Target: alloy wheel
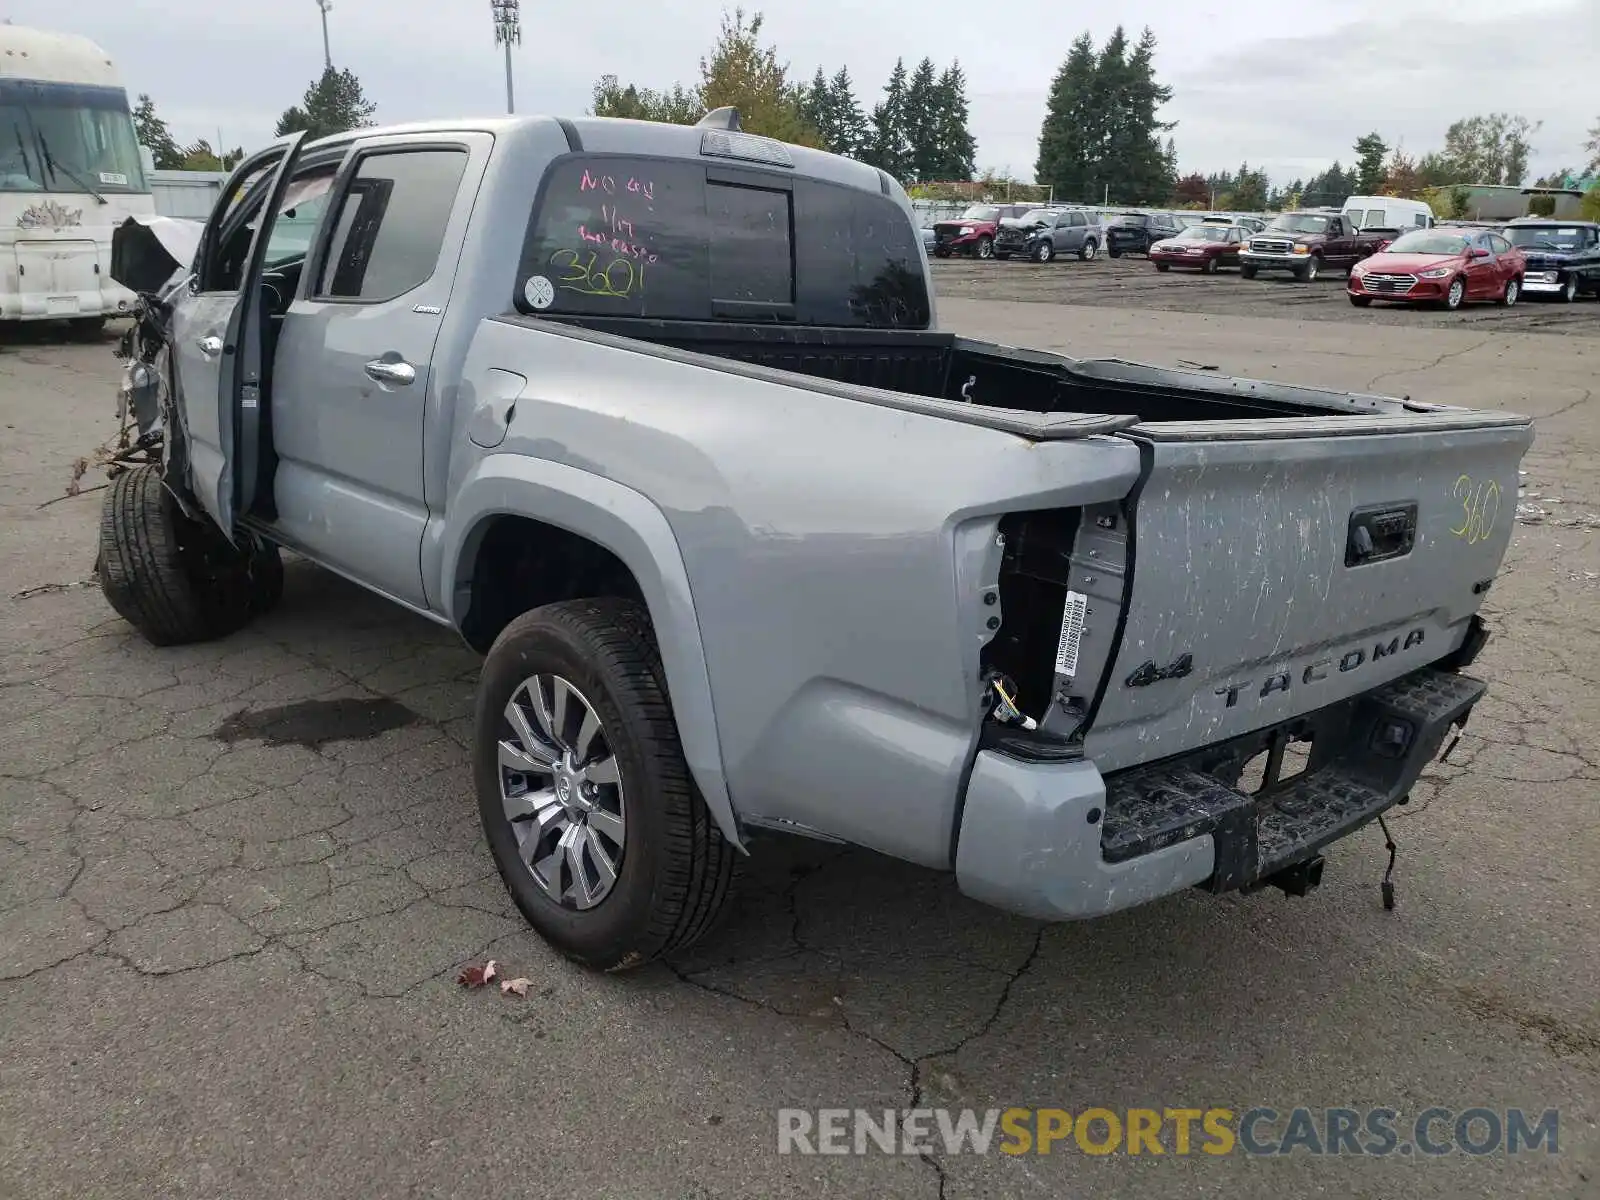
[561, 791]
[1458, 292]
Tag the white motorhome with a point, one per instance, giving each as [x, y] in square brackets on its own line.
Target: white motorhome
[71, 171]
[1387, 212]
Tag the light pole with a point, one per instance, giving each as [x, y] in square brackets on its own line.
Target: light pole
[327, 47]
[507, 33]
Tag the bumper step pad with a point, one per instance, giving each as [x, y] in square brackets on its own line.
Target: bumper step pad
[1381, 741]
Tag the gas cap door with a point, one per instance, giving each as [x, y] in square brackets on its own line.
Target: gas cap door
[493, 407]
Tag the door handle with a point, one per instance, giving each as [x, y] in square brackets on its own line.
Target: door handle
[210, 346]
[397, 374]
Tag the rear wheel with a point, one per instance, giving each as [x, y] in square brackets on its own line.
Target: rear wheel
[1512, 292]
[1246, 271]
[594, 822]
[941, 252]
[90, 329]
[1114, 250]
[985, 248]
[174, 579]
[1089, 250]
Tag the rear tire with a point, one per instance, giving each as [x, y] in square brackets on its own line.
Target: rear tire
[673, 871]
[1090, 249]
[1246, 271]
[88, 329]
[177, 580]
[941, 252]
[1114, 250]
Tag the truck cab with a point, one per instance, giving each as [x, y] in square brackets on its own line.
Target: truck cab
[1305, 243]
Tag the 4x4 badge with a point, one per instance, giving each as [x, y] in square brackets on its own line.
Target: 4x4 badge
[1150, 673]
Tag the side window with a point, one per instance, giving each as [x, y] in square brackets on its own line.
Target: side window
[1335, 228]
[1233, 235]
[390, 223]
[1499, 243]
[1421, 221]
[1076, 220]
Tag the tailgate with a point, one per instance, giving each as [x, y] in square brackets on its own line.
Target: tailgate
[1285, 566]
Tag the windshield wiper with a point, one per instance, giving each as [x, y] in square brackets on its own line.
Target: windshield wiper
[50, 162]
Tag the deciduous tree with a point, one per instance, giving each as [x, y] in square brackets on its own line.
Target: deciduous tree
[153, 132]
[332, 104]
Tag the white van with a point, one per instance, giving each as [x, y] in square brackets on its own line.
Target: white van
[1387, 212]
[71, 171]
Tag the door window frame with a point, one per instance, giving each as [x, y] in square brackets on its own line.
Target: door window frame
[311, 283]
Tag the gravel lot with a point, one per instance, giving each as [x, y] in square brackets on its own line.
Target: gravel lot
[1133, 282]
[228, 951]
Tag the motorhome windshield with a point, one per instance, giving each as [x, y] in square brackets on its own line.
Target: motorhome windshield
[65, 137]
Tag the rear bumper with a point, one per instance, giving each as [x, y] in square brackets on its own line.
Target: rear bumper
[1058, 841]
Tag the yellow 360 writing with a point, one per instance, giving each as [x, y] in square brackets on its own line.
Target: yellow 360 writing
[1480, 506]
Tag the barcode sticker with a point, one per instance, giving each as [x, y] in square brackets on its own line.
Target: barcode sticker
[1072, 615]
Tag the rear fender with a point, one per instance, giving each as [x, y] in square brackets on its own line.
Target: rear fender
[630, 526]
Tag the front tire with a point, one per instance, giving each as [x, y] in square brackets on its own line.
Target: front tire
[985, 248]
[1569, 290]
[1246, 271]
[1309, 272]
[1456, 294]
[1512, 293]
[1361, 301]
[1044, 252]
[1209, 267]
[593, 820]
[177, 580]
[1163, 266]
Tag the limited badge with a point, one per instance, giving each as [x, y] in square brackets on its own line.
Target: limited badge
[541, 293]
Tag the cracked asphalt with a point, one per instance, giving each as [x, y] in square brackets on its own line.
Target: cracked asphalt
[228, 945]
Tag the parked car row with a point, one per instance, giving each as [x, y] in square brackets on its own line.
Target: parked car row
[1043, 233]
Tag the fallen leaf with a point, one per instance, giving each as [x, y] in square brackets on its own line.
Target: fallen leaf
[476, 977]
[516, 987]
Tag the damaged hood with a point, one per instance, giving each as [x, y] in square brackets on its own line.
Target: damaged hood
[148, 251]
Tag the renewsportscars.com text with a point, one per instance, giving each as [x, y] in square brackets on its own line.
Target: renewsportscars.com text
[1257, 1132]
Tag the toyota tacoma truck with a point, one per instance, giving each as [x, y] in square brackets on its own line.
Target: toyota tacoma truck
[1304, 243]
[660, 419]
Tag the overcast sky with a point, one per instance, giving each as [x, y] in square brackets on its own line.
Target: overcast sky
[1286, 84]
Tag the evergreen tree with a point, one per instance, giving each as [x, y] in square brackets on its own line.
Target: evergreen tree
[1102, 137]
[1372, 154]
[1064, 151]
[1249, 191]
[1142, 169]
[922, 122]
[890, 145]
[153, 132]
[849, 120]
[957, 149]
[333, 104]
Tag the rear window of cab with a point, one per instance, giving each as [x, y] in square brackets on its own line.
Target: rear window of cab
[674, 239]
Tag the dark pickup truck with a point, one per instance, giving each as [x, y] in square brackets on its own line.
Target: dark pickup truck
[1563, 257]
[1303, 243]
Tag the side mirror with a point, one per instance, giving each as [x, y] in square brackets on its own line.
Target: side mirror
[1477, 252]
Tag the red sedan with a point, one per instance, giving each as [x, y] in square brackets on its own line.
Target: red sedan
[1201, 247]
[1441, 266]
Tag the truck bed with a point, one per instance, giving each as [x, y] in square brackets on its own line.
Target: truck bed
[944, 366]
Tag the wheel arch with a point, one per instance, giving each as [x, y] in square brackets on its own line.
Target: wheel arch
[620, 541]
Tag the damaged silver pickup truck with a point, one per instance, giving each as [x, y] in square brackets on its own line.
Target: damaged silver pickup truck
[660, 420]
